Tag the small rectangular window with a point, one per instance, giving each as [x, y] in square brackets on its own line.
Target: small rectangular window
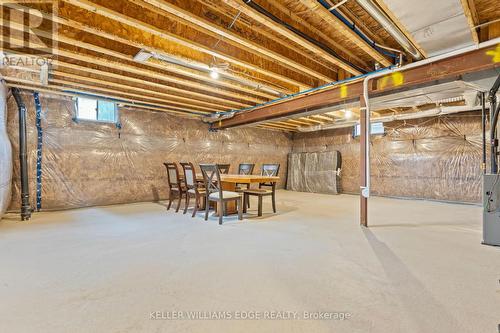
[376, 128]
[96, 110]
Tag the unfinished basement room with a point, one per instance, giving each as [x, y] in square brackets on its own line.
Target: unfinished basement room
[250, 166]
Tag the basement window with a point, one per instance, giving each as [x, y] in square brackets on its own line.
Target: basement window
[96, 110]
[376, 129]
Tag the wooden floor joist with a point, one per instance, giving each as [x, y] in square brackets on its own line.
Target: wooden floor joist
[262, 19]
[150, 73]
[30, 85]
[316, 7]
[149, 28]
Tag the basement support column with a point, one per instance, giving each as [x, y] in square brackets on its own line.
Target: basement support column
[23, 156]
[363, 156]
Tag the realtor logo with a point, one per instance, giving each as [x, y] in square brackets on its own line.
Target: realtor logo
[29, 27]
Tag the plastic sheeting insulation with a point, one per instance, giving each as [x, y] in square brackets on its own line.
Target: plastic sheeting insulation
[316, 172]
[89, 163]
[5, 154]
[433, 158]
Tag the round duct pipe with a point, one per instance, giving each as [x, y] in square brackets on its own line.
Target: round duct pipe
[390, 27]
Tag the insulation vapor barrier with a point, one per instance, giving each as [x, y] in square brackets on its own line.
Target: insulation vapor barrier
[87, 163]
[5, 154]
[435, 158]
[314, 172]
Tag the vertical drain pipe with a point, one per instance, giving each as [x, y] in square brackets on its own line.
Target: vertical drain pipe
[23, 157]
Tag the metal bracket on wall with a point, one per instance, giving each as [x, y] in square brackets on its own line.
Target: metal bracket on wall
[39, 130]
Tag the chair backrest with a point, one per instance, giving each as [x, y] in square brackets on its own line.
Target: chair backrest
[224, 168]
[211, 177]
[270, 170]
[173, 175]
[189, 175]
[245, 169]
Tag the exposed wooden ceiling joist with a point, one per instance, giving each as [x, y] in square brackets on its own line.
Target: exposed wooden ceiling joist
[228, 35]
[167, 35]
[472, 20]
[291, 35]
[313, 5]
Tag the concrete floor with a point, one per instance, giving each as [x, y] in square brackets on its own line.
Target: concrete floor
[420, 268]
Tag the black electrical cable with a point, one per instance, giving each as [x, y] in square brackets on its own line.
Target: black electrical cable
[263, 11]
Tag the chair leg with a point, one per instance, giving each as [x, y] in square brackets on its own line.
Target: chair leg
[207, 203]
[240, 208]
[274, 202]
[260, 206]
[222, 211]
[248, 201]
[170, 199]
[245, 199]
[187, 202]
[179, 202]
[196, 204]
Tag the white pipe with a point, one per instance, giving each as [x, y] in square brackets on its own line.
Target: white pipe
[365, 191]
[439, 111]
[337, 5]
[390, 27]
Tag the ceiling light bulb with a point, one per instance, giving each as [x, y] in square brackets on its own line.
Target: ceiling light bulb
[214, 74]
[348, 114]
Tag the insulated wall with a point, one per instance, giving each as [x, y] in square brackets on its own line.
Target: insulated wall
[5, 154]
[89, 163]
[430, 158]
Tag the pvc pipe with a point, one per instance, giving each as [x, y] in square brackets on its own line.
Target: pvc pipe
[440, 111]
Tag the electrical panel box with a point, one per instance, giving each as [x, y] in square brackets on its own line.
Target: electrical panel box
[491, 209]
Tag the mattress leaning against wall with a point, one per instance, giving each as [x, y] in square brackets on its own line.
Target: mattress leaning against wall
[5, 154]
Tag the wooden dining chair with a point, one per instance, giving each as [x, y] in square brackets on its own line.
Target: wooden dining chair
[175, 184]
[211, 176]
[193, 188]
[224, 168]
[268, 170]
[244, 169]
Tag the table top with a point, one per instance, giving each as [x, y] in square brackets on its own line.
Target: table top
[241, 179]
[247, 179]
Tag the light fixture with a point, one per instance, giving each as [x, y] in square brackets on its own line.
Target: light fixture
[214, 74]
[348, 114]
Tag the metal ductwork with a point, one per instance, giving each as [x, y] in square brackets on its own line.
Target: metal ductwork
[213, 118]
[390, 27]
[23, 156]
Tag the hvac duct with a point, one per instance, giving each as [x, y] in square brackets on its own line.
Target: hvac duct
[390, 27]
[5, 154]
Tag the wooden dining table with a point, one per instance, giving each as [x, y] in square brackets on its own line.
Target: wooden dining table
[229, 181]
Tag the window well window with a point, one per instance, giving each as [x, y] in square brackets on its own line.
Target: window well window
[377, 128]
[96, 110]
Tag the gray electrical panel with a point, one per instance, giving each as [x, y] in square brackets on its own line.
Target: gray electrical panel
[491, 209]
